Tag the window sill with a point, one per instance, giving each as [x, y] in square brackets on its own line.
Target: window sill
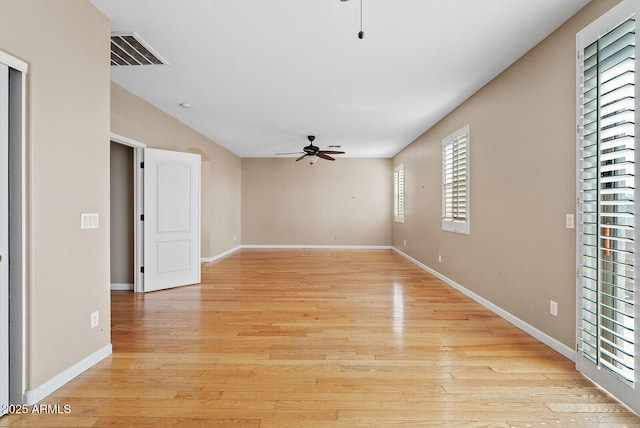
[455, 227]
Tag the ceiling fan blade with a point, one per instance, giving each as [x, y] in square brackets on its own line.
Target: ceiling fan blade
[292, 153]
[301, 157]
[331, 152]
[323, 156]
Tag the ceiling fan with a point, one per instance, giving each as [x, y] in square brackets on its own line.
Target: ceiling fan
[314, 152]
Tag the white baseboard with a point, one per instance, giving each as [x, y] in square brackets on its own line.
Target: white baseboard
[313, 247]
[219, 256]
[119, 286]
[33, 396]
[522, 325]
[275, 247]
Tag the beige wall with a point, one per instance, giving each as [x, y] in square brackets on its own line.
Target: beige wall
[346, 202]
[135, 118]
[122, 212]
[519, 254]
[66, 45]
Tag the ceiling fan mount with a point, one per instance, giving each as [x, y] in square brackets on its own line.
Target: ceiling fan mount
[313, 152]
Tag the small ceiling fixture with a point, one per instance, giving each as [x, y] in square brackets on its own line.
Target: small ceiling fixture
[185, 105]
[360, 33]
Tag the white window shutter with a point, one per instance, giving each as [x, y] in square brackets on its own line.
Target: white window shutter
[455, 182]
[607, 117]
[398, 193]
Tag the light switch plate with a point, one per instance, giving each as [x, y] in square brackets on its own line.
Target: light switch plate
[570, 221]
[89, 221]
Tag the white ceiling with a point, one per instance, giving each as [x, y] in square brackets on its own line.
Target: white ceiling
[262, 75]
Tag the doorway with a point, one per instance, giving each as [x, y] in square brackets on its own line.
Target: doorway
[167, 193]
[122, 214]
[126, 209]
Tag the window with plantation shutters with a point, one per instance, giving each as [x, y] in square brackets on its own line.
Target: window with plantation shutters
[398, 193]
[455, 182]
[607, 263]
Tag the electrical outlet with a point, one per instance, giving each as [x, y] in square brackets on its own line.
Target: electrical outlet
[405, 242]
[439, 258]
[553, 308]
[95, 319]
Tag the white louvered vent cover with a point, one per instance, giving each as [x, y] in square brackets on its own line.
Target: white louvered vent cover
[130, 49]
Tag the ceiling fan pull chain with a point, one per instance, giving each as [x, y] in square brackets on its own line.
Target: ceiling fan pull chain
[361, 33]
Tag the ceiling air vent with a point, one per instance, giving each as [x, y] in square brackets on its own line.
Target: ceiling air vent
[130, 49]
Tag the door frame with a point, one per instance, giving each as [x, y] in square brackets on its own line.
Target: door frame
[4, 239]
[138, 196]
[18, 224]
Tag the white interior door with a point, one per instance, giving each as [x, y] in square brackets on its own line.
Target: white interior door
[4, 237]
[171, 219]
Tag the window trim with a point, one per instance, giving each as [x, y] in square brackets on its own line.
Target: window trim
[457, 226]
[398, 208]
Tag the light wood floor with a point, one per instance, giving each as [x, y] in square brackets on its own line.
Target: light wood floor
[322, 338]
